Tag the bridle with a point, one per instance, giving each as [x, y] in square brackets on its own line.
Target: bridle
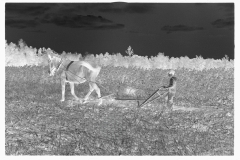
[61, 62]
[57, 68]
[66, 69]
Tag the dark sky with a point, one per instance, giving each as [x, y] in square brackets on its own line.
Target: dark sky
[175, 29]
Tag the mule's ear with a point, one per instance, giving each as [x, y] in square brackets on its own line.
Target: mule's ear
[49, 53]
[49, 56]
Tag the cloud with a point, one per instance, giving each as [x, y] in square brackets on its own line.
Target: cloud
[21, 23]
[81, 21]
[28, 15]
[228, 7]
[200, 4]
[105, 27]
[78, 8]
[142, 32]
[224, 23]
[176, 28]
[29, 9]
[115, 7]
[224, 8]
[121, 7]
[37, 31]
[25, 15]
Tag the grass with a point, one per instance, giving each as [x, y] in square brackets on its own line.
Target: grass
[37, 123]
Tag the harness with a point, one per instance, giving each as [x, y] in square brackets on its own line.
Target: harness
[67, 68]
[61, 64]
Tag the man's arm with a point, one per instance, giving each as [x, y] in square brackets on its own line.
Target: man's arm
[171, 82]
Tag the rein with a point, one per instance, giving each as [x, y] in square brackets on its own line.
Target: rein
[61, 62]
[68, 67]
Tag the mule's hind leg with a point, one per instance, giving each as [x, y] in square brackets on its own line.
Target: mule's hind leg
[93, 87]
[96, 88]
[72, 90]
[89, 92]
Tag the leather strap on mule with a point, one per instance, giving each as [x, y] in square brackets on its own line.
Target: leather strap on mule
[68, 67]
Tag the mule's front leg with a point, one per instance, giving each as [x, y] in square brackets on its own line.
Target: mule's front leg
[72, 90]
[63, 83]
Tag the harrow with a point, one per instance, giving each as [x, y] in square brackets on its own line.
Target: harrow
[147, 100]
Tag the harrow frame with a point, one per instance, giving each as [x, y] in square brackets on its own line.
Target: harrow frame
[145, 100]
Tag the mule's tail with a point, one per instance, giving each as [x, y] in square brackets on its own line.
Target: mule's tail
[95, 71]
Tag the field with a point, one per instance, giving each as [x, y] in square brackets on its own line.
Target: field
[37, 123]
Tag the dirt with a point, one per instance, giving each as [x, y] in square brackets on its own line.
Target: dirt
[134, 103]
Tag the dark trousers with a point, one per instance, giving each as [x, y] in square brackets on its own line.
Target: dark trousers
[169, 98]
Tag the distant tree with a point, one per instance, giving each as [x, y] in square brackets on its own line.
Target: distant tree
[21, 43]
[129, 51]
[40, 51]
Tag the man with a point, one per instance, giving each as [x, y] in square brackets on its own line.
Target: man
[171, 89]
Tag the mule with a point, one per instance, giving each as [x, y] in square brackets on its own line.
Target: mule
[74, 72]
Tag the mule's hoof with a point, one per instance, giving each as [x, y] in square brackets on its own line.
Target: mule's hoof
[84, 101]
[79, 100]
[100, 102]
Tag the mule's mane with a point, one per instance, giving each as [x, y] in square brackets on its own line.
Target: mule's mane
[57, 58]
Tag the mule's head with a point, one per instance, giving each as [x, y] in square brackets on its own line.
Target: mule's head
[54, 63]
